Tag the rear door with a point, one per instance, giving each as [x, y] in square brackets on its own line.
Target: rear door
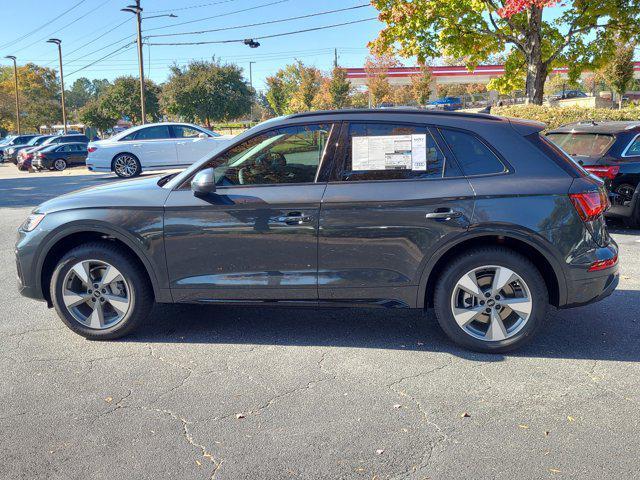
[392, 201]
[192, 144]
[154, 146]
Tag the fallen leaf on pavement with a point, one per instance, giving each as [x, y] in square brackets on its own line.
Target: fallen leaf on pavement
[198, 463]
[108, 399]
[380, 451]
[554, 470]
[523, 426]
[239, 415]
[465, 415]
[571, 419]
[397, 405]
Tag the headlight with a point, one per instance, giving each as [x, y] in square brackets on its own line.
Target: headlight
[32, 222]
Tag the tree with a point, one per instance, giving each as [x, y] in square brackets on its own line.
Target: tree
[122, 99]
[207, 91]
[377, 68]
[39, 97]
[306, 89]
[620, 70]
[421, 85]
[339, 88]
[581, 37]
[80, 93]
[93, 115]
[277, 95]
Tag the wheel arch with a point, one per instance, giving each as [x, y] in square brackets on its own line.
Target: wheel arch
[548, 266]
[125, 152]
[60, 243]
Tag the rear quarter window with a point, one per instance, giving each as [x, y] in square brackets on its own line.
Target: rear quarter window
[472, 154]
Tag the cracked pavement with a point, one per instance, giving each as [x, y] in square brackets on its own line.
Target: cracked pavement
[234, 392]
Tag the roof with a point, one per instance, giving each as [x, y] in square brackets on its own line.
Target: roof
[591, 126]
[396, 111]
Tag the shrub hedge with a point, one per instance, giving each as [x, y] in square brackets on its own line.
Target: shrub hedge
[556, 116]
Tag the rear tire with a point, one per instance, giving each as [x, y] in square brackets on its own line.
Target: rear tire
[126, 165]
[59, 164]
[99, 292]
[484, 320]
[633, 221]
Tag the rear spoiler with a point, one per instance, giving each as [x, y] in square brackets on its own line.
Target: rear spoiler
[526, 127]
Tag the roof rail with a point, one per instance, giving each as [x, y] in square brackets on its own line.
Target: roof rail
[399, 110]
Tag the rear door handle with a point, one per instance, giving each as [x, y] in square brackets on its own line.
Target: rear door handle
[295, 218]
[443, 214]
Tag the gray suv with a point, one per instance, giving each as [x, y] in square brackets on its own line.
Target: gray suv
[475, 216]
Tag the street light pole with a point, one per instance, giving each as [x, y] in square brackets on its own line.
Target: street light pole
[58, 42]
[252, 91]
[15, 81]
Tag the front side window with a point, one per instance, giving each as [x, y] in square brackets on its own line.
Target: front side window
[157, 132]
[283, 155]
[182, 131]
[583, 144]
[473, 156]
[379, 151]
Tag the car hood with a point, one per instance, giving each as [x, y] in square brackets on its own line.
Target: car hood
[140, 193]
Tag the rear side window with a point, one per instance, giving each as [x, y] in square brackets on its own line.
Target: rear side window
[633, 150]
[377, 151]
[559, 156]
[157, 132]
[473, 156]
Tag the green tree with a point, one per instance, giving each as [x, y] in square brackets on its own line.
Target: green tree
[122, 99]
[581, 36]
[79, 94]
[620, 70]
[306, 89]
[339, 88]
[207, 91]
[276, 95]
[421, 85]
[377, 68]
[93, 115]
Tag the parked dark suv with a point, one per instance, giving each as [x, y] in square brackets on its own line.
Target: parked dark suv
[611, 151]
[477, 216]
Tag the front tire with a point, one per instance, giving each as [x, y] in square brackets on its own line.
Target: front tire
[126, 165]
[99, 292]
[491, 300]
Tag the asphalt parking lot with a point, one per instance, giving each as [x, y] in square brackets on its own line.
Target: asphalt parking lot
[234, 393]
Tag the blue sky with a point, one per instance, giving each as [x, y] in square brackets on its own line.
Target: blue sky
[104, 18]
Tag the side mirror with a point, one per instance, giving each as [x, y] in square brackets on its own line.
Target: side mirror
[203, 183]
[203, 135]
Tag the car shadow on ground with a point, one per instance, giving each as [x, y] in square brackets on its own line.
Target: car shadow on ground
[33, 189]
[608, 330]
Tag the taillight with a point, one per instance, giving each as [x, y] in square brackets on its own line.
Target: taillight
[609, 172]
[91, 149]
[40, 155]
[590, 205]
[603, 264]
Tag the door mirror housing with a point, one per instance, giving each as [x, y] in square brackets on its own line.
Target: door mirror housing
[203, 183]
[203, 135]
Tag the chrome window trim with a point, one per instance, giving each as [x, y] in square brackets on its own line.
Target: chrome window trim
[624, 152]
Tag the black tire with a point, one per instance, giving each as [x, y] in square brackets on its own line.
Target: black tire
[633, 221]
[141, 292]
[59, 164]
[480, 257]
[122, 174]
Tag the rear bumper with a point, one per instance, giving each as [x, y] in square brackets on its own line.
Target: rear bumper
[584, 287]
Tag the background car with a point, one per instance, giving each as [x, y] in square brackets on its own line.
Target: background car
[156, 146]
[11, 153]
[447, 103]
[59, 157]
[611, 151]
[567, 94]
[14, 140]
[26, 155]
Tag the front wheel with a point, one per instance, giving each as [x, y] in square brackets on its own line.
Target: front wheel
[99, 292]
[126, 165]
[491, 300]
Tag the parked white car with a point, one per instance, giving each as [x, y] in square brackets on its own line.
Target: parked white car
[155, 146]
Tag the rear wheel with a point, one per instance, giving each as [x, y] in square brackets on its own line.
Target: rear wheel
[59, 164]
[126, 165]
[99, 292]
[633, 221]
[491, 300]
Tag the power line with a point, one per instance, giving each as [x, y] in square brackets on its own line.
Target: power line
[62, 28]
[100, 36]
[28, 34]
[128, 37]
[219, 16]
[317, 14]
[189, 7]
[120, 49]
[268, 36]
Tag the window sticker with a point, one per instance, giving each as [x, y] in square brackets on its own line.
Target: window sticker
[389, 152]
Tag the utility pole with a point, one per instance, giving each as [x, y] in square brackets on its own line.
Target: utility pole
[15, 81]
[335, 58]
[137, 11]
[251, 85]
[58, 42]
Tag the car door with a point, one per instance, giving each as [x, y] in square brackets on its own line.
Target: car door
[394, 200]
[255, 238]
[80, 156]
[154, 146]
[193, 144]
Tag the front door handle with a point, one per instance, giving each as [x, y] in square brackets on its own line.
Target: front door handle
[443, 214]
[295, 218]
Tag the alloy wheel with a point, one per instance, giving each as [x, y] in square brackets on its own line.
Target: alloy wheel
[491, 303]
[126, 166]
[59, 165]
[96, 294]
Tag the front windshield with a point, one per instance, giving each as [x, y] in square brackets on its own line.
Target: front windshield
[6, 140]
[35, 141]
